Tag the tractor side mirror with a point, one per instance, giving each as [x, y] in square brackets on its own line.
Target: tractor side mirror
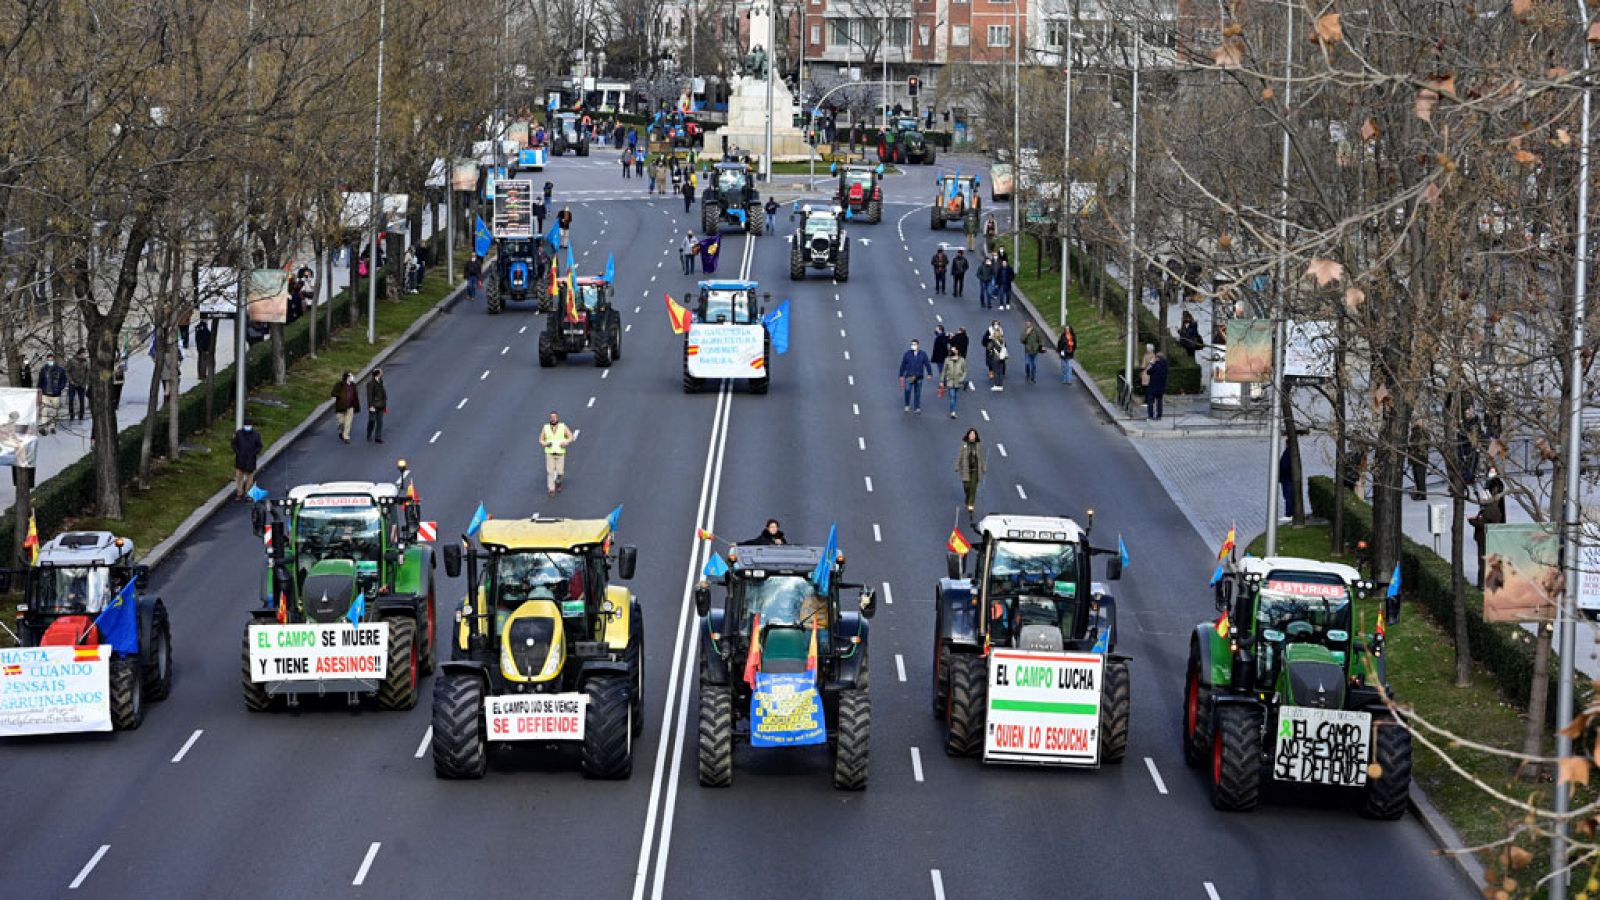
[869, 602]
[452, 560]
[1391, 608]
[953, 564]
[258, 520]
[702, 598]
[1222, 600]
[627, 560]
[1114, 568]
[141, 578]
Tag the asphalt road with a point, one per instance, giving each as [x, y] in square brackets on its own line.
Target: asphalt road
[208, 800]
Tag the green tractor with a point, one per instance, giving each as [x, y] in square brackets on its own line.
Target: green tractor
[1025, 668]
[1277, 684]
[346, 596]
[904, 142]
[784, 662]
[546, 650]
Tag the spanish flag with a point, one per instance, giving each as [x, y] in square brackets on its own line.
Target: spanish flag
[555, 284]
[678, 315]
[283, 608]
[572, 299]
[1381, 630]
[752, 661]
[86, 654]
[1227, 545]
[31, 542]
[811, 655]
[705, 535]
[411, 492]
[956, 543]
[1222, 625]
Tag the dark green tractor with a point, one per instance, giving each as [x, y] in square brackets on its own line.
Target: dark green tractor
[1280, 686]
[341, 557]
[904, 142]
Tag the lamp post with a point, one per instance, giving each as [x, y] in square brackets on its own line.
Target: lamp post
[1066, 169]
[241, 321]
[772, 55]
[377, 201]
[1274, 414]
[1133, 223]
[1016, 138]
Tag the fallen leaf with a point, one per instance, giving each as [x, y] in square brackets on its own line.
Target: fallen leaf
[1517, 858]
[1369, 130]
[1574, 769]
[1230, 55]
[1425, 102]
[1267, 94]
[1575, 727]
[1563, 137]
[1380, 396]
[1325, 271]
[1354, 297]
[1497, 448]
[1233, 29]
[1555, 73]
[1444, 85]
[1520, 8]
[1329, 31]
[1526, 157]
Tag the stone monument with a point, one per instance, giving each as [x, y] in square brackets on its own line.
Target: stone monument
[747, 121]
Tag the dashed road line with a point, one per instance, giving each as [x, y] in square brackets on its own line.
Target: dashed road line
[1022, 493]
[184, 750]
[462, 403]
[484, 376]
[851, 379]
[522, 330]
[636, 310]
[427, 739]
[847, 355]
[868, 479]
[855, 408]
[435, 437]
[591, 406]
[839, 312]
[1161, 786]
[1211, 892]
[366, 864]
[916, 764]
[888, 594]
[1001, 448]
[504, 350]
[627, 328]
[900, 666]
[604, 373]
[877, 534]
[861, 443]
[938, 884]
[841, 333]
[88, 867]
[985, 414]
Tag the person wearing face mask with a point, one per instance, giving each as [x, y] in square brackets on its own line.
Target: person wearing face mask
[914, 366]
[246, 452]
[346, 400]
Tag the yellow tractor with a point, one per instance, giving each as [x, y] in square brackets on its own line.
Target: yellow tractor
[546, 650]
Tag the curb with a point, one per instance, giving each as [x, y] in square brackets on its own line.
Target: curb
[1445, 835]
[221, 498]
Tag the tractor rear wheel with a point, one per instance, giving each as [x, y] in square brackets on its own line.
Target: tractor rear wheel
[875, 212]
[460, 746]
[710, 218]
[1116, 704]
[841, 265]
[547, 350]
[616, 335]
[493, 303]
[966, 709]
[716, 736]
[608, 729]
[127, 693]
[399, 688]
[602, 351]
[936, 218]
[797, 261]
[428, 654]
[928, 156]
[852, 741]
[1236, 758]
[256, 698]
[634, 657]
[158, 674]
[755, 219]
[1196, 729]
[1389, 795]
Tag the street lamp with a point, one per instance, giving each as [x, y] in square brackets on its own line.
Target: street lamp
[1275, 401]
[1066, 167]
[1133, 223]
[376, 200]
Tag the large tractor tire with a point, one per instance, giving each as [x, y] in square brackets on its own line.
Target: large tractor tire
[941, 668]
[936, 218]
[428, 641]
[755, 220]
[875, 212]
[841, 265]
[710, 217]
[967, 707]
[1196, 730]
[493, 301]
[928, 156]
[399, 688]
[1116, 706]
[460, 740]
[634, 657]
[583, 149]
[1236, 758]
[158, 671]
[691, 384]
[608, 729]
[852, 741]
[602, 350]
[797, 261]
[127, 693]
[256, 698]
[547, 350]
[616, 335]
[1388, 796]
[716, 736]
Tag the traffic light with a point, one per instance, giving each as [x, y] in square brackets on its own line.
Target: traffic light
[913, 85]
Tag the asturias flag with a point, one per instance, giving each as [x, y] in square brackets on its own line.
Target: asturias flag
[478, 518]
[118, 624]
[716, 566]
[1394, 581]
[482, 239]
[777, 323]
[823, 573]
[678, 315]
[358, 609]
[553, 237]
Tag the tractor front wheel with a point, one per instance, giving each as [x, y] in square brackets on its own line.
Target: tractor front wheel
[1116, 704]
[1196, 729]
[841, 265]
[965, 710]
[547, 350]
[852, 741]
[616, 335]
[399, 688]
[460, 745]
[608, 729]
[936, 218]
[158, 673]
[710, 218]
[755, 219]
[256, 698]
[428, 654]
[875, 212]
[716, 736]
[1236, 758]
[602, 351]
[493, 301]
[127, 693]
[634, 657]
[1389, 794]
[797, 261]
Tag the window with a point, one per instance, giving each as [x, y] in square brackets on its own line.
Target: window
[999, 35]
[841, 32]
[924, 34]
[816, 34]
[960, 35]
[899, 32]
[1056, 33]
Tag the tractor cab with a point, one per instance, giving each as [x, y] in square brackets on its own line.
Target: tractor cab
[731, 178]
[1292, 620]
[772, 585]
[859, 191]
[820, 242]
[593, 294]
[955, 198]
[728, 302]
[75, 579]
[340, 530]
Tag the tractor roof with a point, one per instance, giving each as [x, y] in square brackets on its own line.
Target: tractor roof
[782, 557]
[1266, 565]
[732, 167]
[543, 533]
[1031, 528]
[730, 285]
[85, 548]
[958, 178]
[375, 491]
[591, 279]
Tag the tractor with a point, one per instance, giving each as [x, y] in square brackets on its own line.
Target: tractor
[784, 661]
[955, 199]
[904, 142]
[820, 242]
[585, 322]
[514, 277]
[1025, 668]
[347, 596]
[545, 649]
[728, 326]
[68, 593]
[568, 133]
[730, 196]
[1280, 683]
[859, 191]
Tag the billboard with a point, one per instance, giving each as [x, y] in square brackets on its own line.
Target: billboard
[1522, 577]
[356, 215]
[513, 209]
[1249, 352]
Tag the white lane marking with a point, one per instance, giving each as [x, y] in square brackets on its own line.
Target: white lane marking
[916, 764]
[88, 867]
[602, 233]
[916, 271]
[924, 284]
[645, 294]
[840, 312]
[855, 408]
[869, 482]
[652, 279]
[504, 350]
[852, 380]
[366, 864]
[591, 403]
[877, 534]
[484, 376]
[909, 259]
[522, 330]
[836, 300]
[861, 443]
[435, 437]
[627, 328]
[938, 318]
[1161, 786]
[659, 265]
[888, 594]
[900, 666]
[604, 373]
[1022, 493]
[985, 414]
[636, 310]
[1211, 892]
[841, 333]
[427, 738]
[184, 750]
[1001, 448]
[930, 299]
[462, 403]
[847, 355]
[938, 884]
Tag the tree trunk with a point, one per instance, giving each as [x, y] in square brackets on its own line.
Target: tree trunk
[1339, 440]
[1458, 589]
[280, 362]
[354, 291]
[1538, 699]
[153, 403]
[316, 296]
[394, 266]
[174, 265]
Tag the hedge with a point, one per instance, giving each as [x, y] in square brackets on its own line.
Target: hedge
[1183, 373]
[1505, 650]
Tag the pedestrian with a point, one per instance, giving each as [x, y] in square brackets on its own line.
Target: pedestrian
[969, 223]
[564, 220]
[688, 193]
[539, 212]
[991, 234]
[970, 465]
[185, 319]
[377, 405]
[1156, 390]
[549, 190]
[554, 438]
[1491, 511]
[1066, 348]
[961, 343]
[953, 378]
[346, 399]
[772, 213]
[413, 283]
[914, 366]
[1145, 362]
[1033, 344]
[205, 344]
[677, 176]
[52, 384]
[940, 263]
[995, 344]
[686, 252]
[958, 272]
[627, 164]
[25, 380]
[651, 187]
[985, 280]
[1004, 277]
[941, 347]
[474, 277]
[638, 164]
[78, 385]
[246, 452]
[1189, 334]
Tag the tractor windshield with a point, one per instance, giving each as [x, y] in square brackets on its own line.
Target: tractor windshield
[339, 528]
[589, 295]
[826, 226]
[517, 249]
[730, 180]
[1041, 577]
[71, 589]
[783, 600]
[519, 576]
[569, 129]
[730, 306]
[1303, 607]
[854, 179]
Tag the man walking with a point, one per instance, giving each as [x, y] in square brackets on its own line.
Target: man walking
[985, 280]
[78, 385]
[1003, 279]
[1033, 344]
[941, 347]
[772, 213]
[686, 252]
[554, 438]
[688, 193]
[205, 344]
[1066, 348]
[914, 366]
[377, 405]
[346, 398]
[564, 219]
[246, 451]
[474, 278]
[52, 384]
[960, 343]
[953, 378]
[940, 262]
[1156, 390]
[958, 272]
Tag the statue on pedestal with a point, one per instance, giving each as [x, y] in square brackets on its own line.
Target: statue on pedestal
[755, 63]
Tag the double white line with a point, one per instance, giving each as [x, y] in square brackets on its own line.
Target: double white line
[685, 652]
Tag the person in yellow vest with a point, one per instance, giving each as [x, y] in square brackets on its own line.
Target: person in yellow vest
[554, 438]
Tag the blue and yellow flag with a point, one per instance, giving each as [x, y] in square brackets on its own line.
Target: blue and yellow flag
[482, 238]
[118, 623]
